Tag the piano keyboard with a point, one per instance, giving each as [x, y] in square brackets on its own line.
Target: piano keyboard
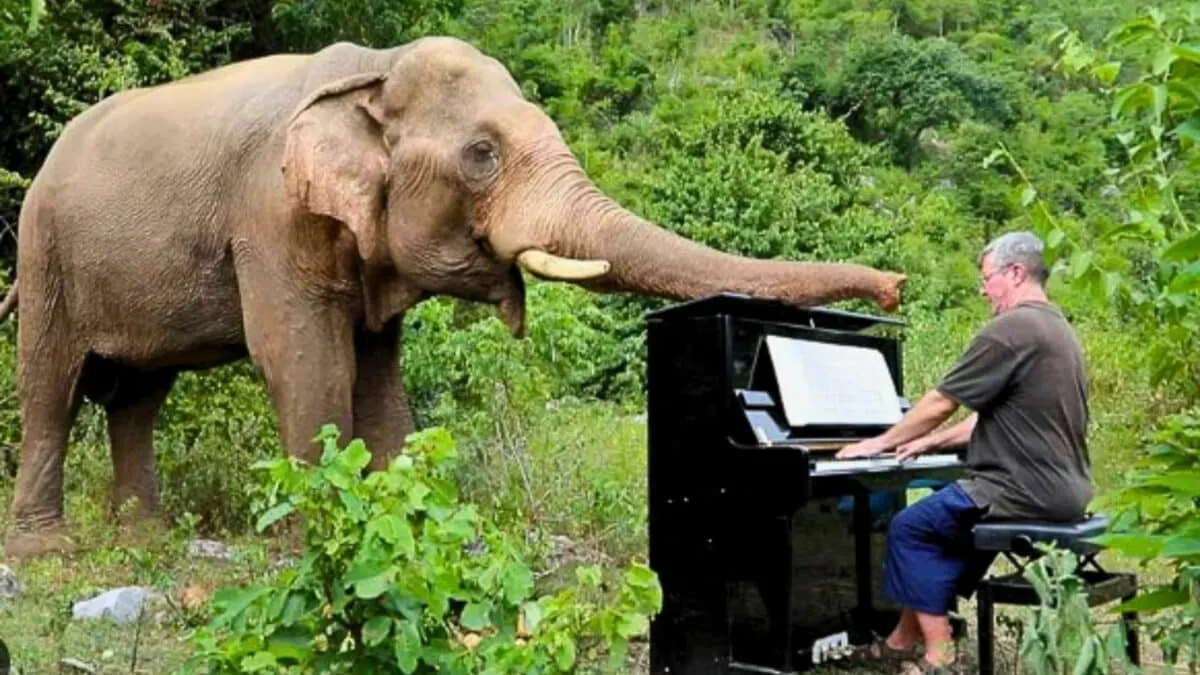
[879, 463]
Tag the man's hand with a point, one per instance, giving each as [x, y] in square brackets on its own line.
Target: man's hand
[871, 446]
[916, 447]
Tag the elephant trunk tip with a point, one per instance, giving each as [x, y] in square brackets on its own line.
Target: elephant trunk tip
[889, 292]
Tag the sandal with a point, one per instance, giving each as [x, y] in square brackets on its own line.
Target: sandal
[923, 667]
[878, 651]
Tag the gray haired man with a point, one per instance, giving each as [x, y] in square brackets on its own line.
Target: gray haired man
[1025, 378]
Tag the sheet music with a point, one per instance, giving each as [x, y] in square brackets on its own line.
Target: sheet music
[823, 383]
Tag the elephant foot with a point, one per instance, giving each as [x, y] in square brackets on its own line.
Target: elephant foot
[42, 543]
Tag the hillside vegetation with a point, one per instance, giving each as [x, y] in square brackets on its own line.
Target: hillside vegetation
[902, 134]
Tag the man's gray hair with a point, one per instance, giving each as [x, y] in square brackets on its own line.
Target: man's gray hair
[1018, 247]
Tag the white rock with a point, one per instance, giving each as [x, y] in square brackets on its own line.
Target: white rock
[76, 666]
[208, 548]
[122, 606]
[10, 585]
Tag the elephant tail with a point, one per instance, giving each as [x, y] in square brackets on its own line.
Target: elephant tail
[10, 302]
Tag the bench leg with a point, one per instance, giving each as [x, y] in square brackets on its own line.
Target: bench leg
[984, 616]
[1130, 619]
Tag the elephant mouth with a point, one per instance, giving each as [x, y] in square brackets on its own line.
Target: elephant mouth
[556, 268]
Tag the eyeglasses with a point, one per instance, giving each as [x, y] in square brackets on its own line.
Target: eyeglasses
[987, 277]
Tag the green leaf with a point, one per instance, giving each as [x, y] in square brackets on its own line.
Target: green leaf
[374, 586]
[1107, 73]
[1055, 238]
[1184, 250]
[1028, 194]
[293, 609]
[1185, 482]
[396, 531]
[355, 456]
[290, 645]
[37, 9]
[1130, 99]
[564, 653]
[1160, 100]
[475, 616]
[258, 661]
[1181, 547]
[354, 505]
[376, 630]
[1137, 545]
[1189, 52]
[632, 625]
[274, 514]
[518, 582]
[533, 616]
[1163, 59]
[1154, 601]
[407, 646]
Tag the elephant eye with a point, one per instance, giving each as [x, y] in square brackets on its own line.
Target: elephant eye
[480, 160]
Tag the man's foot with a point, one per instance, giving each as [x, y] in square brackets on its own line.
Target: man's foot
[923, 667]
[879, 651]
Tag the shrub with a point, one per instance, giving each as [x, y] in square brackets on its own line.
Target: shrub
[398, 574]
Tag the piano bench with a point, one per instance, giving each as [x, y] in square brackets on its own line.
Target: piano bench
[1017, 541]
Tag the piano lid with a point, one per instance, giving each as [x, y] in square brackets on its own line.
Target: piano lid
[773, 311]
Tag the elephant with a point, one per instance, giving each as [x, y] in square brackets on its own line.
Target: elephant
[290, 209]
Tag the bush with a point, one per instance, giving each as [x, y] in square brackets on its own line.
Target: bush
[398, 574]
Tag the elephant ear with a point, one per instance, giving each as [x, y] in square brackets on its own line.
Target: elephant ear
[335, 163]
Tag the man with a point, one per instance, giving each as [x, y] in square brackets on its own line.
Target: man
[1024, 377]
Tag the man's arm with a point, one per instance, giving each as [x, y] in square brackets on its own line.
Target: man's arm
[959, 434]
[929, 413]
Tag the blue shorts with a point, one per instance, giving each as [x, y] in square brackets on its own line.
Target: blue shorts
[930, 552]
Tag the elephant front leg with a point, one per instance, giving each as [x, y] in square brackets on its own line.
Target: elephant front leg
[306, 354]
[381, 415]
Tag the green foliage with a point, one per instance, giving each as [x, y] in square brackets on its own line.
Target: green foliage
[895, 88]
[309, 25]
[1148, 260]
[1157, 519]
[81, 51]
[398, 574]
[1060, 635]
[1146, 263]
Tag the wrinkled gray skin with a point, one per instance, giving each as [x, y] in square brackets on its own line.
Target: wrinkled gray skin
[292, 208]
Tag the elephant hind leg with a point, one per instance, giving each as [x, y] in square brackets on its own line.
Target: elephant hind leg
[132, 412]
[50, 397]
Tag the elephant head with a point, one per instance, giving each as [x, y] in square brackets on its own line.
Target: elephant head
[450, 181]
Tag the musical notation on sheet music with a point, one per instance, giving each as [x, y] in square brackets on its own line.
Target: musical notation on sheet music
[824, 383]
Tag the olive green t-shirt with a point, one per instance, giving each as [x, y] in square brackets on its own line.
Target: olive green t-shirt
[1025, 375]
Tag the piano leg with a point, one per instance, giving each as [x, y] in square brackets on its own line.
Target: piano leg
[863, 522]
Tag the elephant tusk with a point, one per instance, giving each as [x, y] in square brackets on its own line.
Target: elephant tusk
[551, 266]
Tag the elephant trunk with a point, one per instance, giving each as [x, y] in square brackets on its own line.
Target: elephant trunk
[629, 254]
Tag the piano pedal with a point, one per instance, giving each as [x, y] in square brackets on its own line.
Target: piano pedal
[831, 648]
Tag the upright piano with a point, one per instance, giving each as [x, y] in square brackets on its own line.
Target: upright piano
[768, 548]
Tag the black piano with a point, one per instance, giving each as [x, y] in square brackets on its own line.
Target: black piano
[769, 549]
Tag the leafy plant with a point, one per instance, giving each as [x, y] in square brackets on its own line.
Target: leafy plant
[1158, 520]
[398, 574]
[1147, 265]
[1059, 636]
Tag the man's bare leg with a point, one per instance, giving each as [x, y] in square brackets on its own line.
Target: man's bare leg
[938, 639]
[907, 632]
